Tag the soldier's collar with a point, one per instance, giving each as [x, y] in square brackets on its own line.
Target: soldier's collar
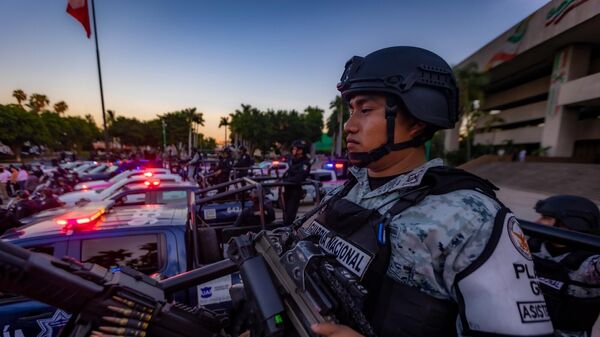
[410, 179]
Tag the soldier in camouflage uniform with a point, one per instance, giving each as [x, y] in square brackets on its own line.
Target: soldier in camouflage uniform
[437, 252]
[570, 278]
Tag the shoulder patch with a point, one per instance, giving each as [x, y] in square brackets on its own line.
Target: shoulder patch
[517, 237]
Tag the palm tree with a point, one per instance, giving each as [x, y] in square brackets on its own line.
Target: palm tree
[111, 116]
[20, 96]
[339, 113]
[61, 107]
[224, 122]
[37, 102]
[193, 117]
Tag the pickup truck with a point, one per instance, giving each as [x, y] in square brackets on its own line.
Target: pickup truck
[148, 229]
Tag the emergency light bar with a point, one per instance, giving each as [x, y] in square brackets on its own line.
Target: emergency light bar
[148, 174]
[275, 162]
[339, 165]
[73, 220]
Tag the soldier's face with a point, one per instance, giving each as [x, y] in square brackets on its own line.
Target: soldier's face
[297, 152]
[367, 127]
[546, 220]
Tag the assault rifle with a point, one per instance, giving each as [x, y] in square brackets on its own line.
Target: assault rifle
[307, 285]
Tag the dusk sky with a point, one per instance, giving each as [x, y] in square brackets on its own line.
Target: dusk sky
[161, 56]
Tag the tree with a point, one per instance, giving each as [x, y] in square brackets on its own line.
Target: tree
[18, 126]
[313, 123]
[20, 96]
[206, 144]
[470, 82]
[224, 122]
[336, 106]
[275, 129]
[37, 102]
[57, 130]
[61, 107]
[110, 118]
[179, 124]
[129, 131]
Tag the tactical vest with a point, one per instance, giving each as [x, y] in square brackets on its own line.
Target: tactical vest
[359, 238]
[569, 313]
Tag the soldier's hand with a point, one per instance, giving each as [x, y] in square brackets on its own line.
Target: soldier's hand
[334, 330]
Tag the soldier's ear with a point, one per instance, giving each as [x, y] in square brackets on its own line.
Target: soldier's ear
[417, 129]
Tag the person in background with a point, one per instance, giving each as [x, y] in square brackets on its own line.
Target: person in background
[22, 176]
[223, 168]
[243, 163]
[14, 173]
[569, 278]
[299, 170]
[4, 179]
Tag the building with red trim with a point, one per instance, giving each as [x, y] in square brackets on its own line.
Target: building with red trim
[544, 83]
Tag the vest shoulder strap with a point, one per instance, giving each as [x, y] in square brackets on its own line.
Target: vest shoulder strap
[441, 180]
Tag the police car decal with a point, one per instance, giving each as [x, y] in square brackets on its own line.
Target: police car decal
[351, 256]
[215, 291]
[144, 216]
[210, 214]
[59, 319]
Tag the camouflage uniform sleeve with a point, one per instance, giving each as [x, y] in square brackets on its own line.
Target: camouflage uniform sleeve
[588, 273]
[435, 240]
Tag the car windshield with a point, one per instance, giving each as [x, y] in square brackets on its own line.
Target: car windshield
[97, 169]
[118, 177]
[264, 164]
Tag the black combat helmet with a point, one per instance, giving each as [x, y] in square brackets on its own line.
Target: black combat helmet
[576, 213]
[300, 144]
[417, 79]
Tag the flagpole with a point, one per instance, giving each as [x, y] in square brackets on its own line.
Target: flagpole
[100, 79]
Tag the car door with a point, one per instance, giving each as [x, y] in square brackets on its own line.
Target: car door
[22, 317]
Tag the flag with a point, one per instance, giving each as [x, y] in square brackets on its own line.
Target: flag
[79, 10]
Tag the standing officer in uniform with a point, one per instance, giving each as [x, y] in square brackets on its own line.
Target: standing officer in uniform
[243, 163]
[299, 169]
[223, 168]
[437, 252]
[569, 278]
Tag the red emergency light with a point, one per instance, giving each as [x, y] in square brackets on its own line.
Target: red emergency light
[339, 165]
[152, 183]
[275, 162]
[148, 174]
[79, 220]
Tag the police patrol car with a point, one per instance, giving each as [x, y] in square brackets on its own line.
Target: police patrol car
[150, 234]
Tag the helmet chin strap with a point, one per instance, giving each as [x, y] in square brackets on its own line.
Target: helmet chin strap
[363, 159]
